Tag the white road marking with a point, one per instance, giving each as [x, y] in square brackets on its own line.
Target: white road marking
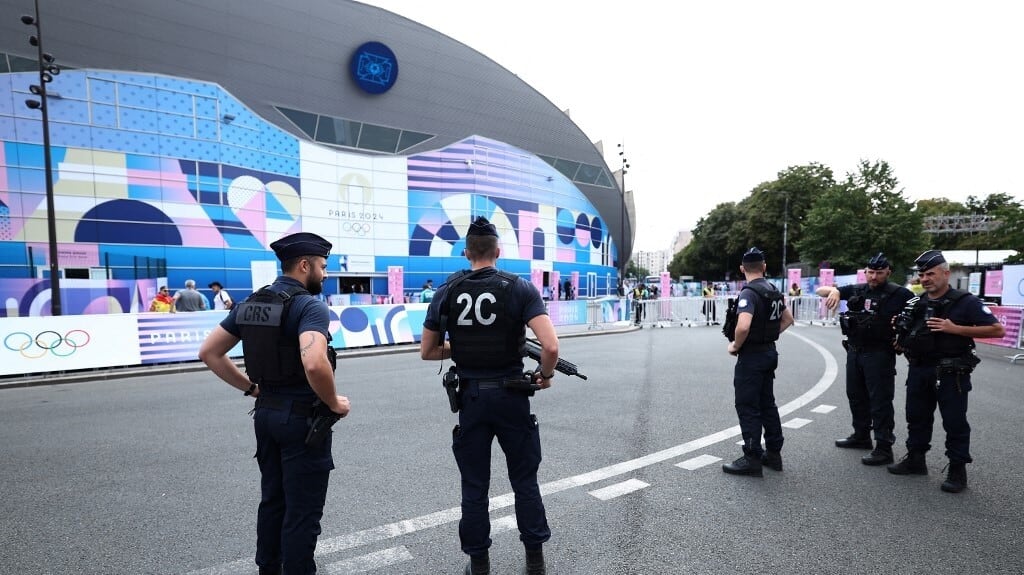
[796, 423]
[370, 561]
[383, 532]
[613, 491]
[823, 408]
[698, 462]
[502, 524]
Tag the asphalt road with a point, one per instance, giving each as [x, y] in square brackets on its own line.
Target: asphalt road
[155, 474]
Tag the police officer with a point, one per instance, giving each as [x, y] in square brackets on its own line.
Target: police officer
[939, 346]
[485, 312]
[287, 371]
[763, 315]
[870, 356]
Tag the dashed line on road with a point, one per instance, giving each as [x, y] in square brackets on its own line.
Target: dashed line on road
[796, 423]
[823, 408]
[370, 561]
[618, 489]
[698, 462]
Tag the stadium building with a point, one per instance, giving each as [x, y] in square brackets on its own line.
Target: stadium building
[187, 136]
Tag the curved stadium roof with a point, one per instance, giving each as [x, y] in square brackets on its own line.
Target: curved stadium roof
[279, 55]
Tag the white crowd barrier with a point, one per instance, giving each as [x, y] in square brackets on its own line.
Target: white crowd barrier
[700, 311]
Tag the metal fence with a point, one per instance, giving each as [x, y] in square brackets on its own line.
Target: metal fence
[700, 311]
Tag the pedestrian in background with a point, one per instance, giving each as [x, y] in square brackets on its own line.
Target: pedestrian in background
[163, 302]
[762, 316]
[485, 313]
[289, 367]
[939, 346]
[221, 299]
[709, 307]
[870, 356]
[189, 299]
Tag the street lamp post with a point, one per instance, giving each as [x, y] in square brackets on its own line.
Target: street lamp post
[47, 70]
[622, 222]
[785, 234]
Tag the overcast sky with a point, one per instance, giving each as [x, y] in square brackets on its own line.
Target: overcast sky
[712, 98]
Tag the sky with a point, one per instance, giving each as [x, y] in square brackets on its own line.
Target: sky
[710, 99]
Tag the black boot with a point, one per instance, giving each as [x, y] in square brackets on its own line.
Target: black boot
[746, 465]
[881, 455]
[535, 562]
[956, 481]
[271, 570]
[478, 565]
[911, 464]
[772, 459]
[855, 441]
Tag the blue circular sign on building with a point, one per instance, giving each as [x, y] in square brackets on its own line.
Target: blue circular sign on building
[374, 67]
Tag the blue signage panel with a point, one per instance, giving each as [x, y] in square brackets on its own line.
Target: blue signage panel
[374, 67]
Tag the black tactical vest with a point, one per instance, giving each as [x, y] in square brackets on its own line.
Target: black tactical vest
[481, 333]
[872, 327]
[271, 357]
[921, 342]
[766, 324]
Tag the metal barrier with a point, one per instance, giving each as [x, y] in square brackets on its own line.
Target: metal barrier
[594, 315]
[811, 310]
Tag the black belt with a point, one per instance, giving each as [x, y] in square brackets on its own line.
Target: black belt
[755, 347]
[298, 408]
[871, 347]
[488, 383]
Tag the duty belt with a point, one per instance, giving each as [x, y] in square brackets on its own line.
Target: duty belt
[298, 408]
[870, 347]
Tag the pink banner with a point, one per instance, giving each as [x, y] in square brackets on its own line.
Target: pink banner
[396, 279]
[862, 276]
[826, 277]
[1010, 317]
[793, 278]
[993, 284]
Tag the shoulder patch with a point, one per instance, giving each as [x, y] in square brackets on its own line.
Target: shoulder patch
[985, 309]
[742, 303]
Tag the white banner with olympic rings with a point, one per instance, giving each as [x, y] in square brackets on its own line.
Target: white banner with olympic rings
[46, 344]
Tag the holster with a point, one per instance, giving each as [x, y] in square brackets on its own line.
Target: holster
[450, 382]
[323, 420]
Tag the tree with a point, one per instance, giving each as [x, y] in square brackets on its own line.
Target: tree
[776, 210]
[711, 254]
[860, 217]
[636, 271]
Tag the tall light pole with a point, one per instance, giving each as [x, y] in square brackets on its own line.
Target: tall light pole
[622, 222]
[785, 235]
[47, 70]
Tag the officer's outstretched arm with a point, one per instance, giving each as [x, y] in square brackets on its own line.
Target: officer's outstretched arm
[313, 351]
[831, 295]
[545, 333]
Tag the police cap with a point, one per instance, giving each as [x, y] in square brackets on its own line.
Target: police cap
[753, 255]
[482, 227]
[301, 244]
[878, 262]
[928, 260]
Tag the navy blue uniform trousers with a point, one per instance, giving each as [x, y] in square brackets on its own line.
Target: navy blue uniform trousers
[870, 387]
[294, 488]
[754, 381]
[486, 414]
[925, 390]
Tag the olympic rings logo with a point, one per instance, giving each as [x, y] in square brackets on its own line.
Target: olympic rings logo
[356, 227]
[47, 341]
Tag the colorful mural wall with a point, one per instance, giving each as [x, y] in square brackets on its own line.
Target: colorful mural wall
[149, 167]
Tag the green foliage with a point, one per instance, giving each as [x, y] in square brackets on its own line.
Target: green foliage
[843, 223]
[862, 216]
[636, 271]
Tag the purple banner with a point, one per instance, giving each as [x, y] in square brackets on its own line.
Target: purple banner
[1010, 317]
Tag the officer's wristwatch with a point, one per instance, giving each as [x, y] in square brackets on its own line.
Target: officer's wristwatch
[250, 391]
[542, 376]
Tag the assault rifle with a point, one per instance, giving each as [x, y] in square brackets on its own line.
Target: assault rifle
[568, 368]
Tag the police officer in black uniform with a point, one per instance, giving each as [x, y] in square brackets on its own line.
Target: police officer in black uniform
[763, 315]
[484, 312]
[870, 356]
[937, 337]
[284, 334]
